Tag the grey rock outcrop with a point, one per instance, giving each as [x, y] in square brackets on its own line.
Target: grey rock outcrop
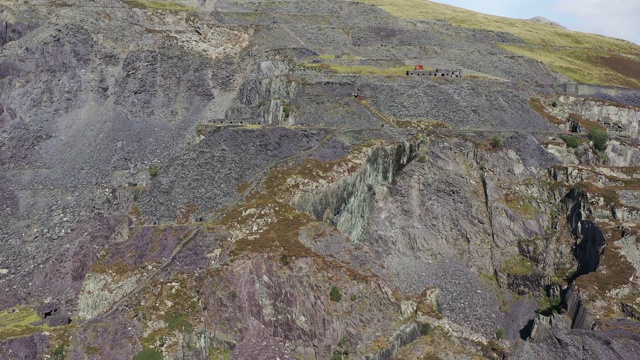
[578, 312]
[24, 348]
[403, 336]
[259, 179]
[622, 120]
[348, 203]
[581, 344]
[544, 326]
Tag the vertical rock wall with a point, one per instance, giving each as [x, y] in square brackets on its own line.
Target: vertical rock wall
[346, 204]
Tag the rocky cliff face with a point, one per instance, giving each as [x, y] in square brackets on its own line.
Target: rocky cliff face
[258, 180]
[620, 119]
[347, 203]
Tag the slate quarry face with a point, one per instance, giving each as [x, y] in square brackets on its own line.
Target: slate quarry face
[199, 180]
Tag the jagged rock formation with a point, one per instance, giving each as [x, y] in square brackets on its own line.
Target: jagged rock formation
[256, 179]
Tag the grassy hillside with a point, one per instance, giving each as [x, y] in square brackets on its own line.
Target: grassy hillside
[362, 69]
[582, 57]
[159, 4]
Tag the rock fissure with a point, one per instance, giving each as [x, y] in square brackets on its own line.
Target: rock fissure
[489, 212]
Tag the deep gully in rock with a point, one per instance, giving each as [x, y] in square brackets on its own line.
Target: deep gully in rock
[588, 254]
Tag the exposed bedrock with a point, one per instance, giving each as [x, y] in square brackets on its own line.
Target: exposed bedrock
[265, 97]
[348, 202]
[24, 348]
[542, 327]
[63, 268]
[13, 31]
[457, 201]
[165, 236]
[561, 332]
[580, 316]
[116, 337]
[589, 237]
[263, 298]
[559, 342]
[438, 224]
[619, 119]
[622, 154]
[400, 338]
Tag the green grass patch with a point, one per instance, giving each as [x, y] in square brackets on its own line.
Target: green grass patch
[599, 138]
[326, 57]
[422, 124]
[518, 265]
[335, 294]
[59, 353]
[549, 305]
[581, 65]
[571, 141]
[178, 323]
[496, 142]
[426, 329]
[339, 57]
[20, 323]
[520, 204]
[215, 353]
[532, 32]
[148, 354]
[159, 5]
[201, 130]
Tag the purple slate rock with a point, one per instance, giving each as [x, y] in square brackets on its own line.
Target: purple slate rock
[259, 344]
[24, 348]
[48, 310]
[53, 315]
[58, 320]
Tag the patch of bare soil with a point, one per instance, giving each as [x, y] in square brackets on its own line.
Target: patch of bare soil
[625, 66]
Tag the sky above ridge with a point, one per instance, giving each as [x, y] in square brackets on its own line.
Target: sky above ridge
[616, 18]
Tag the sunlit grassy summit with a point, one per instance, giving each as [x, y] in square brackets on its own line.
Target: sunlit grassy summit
[585, 58]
